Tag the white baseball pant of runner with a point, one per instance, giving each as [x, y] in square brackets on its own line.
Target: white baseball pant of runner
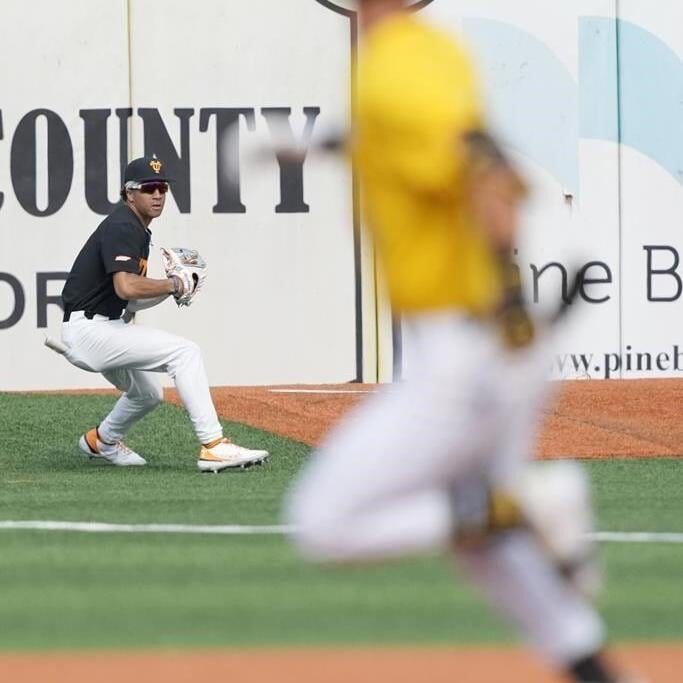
[384, 482]
[130, 357]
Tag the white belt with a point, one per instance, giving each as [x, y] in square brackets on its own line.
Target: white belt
[80, 315]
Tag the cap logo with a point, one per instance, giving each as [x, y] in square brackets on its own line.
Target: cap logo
[155, 165]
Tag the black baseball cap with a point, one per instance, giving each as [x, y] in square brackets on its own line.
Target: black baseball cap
[146, 170]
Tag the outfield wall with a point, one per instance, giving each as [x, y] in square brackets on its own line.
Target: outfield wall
[291, 295]
[566, 82]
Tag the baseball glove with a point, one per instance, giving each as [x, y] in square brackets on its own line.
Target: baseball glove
[187, 267]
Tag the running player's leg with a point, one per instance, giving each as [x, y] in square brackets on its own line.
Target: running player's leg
[554, 497]
[365, 493]
[524, 390]
[378, 486]
[522, 584]
[521, 571]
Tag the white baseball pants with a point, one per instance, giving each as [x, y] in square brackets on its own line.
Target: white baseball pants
[130, 356]
[384, 482]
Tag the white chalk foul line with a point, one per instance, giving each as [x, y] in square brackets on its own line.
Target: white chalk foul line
[637, 537]
[274, 529]
[104, 527]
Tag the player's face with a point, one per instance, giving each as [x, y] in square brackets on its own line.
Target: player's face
[149, 199]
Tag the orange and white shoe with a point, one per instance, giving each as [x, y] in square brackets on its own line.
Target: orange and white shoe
[114, 453]
[224, 454]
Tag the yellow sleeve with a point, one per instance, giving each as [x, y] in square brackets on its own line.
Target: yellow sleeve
[417, 97]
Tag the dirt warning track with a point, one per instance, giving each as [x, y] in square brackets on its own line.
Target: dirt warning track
[660, 663]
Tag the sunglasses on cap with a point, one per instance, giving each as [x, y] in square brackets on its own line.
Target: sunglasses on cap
[151, 188]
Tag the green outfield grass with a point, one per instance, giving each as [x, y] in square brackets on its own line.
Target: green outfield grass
[72, 590]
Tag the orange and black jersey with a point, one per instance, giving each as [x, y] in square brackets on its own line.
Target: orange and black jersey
[119, 244]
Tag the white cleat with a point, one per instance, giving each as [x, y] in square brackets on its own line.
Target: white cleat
[114, 453]
[225, 455]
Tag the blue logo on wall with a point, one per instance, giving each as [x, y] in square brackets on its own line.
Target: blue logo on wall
[630, 90]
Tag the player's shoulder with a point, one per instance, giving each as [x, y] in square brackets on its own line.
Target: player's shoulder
[121, 222]
[120, 218]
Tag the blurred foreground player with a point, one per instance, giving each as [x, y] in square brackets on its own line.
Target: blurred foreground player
[442, 460]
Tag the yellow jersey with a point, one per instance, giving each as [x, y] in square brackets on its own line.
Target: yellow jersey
[416, 96]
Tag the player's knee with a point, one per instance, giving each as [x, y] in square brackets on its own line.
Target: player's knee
[154, 396]
[149, 394]
[190, 349]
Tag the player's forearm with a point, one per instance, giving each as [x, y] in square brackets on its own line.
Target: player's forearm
[136, 305]
[495, 203]
[129, 286]
[494, 188]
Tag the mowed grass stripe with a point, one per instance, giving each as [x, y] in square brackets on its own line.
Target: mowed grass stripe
[60, 589]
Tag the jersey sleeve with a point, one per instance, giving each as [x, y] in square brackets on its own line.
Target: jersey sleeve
[417, 101]
[122, 248]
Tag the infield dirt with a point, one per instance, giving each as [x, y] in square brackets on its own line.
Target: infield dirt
[588, 419]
